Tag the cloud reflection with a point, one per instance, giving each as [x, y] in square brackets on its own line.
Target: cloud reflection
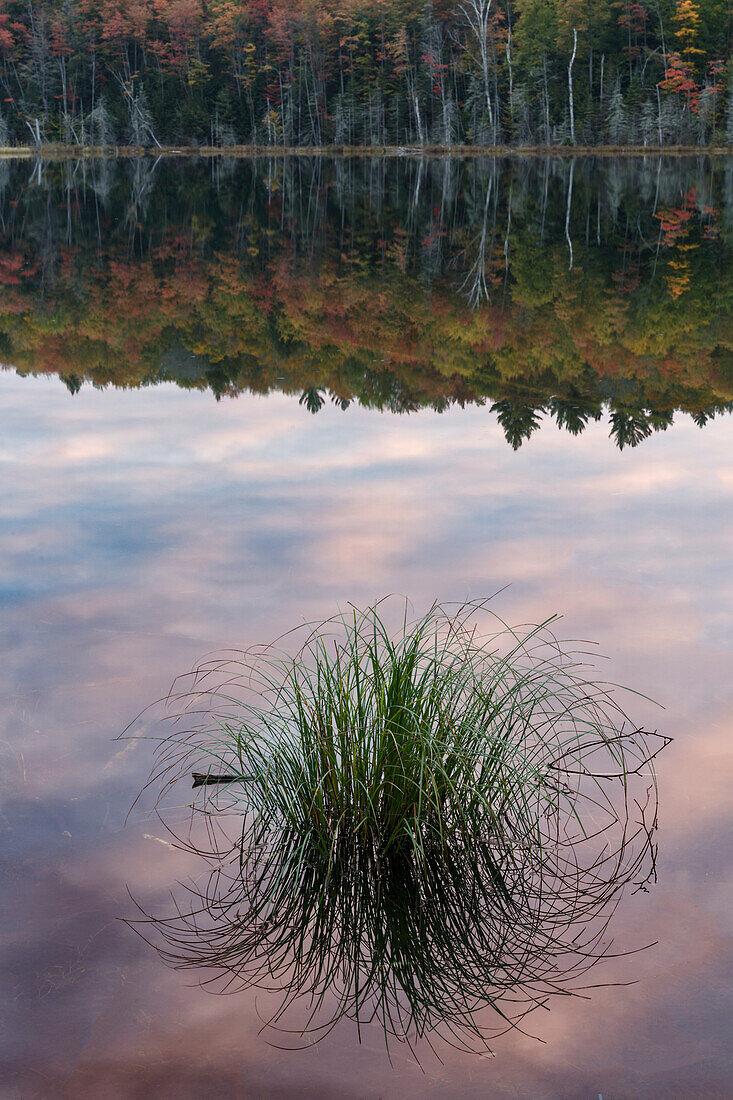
[145, 528]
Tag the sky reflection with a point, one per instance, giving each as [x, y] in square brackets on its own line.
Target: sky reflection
[143, 529]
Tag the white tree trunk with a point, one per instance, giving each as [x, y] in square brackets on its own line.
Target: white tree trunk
[570, 86]
[477, 16]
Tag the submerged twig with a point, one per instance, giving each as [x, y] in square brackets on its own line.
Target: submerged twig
[200, 780]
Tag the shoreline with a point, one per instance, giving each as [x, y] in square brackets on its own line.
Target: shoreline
[414, 152]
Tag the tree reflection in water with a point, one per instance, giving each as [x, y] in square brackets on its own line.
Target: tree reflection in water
[395, 285]
[429, 830]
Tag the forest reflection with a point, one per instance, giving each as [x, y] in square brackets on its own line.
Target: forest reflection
[549, 290]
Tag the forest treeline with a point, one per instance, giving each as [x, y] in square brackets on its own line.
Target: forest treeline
[545, 289]
[366, 72]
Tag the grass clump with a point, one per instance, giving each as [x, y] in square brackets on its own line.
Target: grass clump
[416, 824]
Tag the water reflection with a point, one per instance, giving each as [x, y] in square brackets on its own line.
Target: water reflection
[437, 861]
[552, 291]
[148, 523]
[110, 588]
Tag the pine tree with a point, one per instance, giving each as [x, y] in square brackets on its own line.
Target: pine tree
[617, 122]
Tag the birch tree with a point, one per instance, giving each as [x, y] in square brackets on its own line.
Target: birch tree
[477, 14]
[570, 85]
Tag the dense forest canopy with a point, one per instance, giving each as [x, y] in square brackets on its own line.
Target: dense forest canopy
[366, 72]
[546, 289]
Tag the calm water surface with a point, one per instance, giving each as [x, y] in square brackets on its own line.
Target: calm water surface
[145, 525]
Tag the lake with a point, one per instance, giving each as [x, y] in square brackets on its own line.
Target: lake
[239, 395]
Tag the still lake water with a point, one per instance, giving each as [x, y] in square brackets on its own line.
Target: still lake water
[169, 331]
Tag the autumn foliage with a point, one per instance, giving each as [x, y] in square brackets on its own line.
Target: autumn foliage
[354, 73]
[253, 285]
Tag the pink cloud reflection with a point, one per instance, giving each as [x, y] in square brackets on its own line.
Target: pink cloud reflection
[148, 528]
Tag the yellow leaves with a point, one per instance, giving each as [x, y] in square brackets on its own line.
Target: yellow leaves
[198, 73]
[687, 20]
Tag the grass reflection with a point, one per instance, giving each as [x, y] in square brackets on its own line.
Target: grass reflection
[427, 827]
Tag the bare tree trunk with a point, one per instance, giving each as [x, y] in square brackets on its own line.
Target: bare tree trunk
[567, 213]
[570, 85]
[475, 284]
[35, 133]
[509, 65]
[416, 103]
[661, 32]
[477, 16]
[547, 102]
